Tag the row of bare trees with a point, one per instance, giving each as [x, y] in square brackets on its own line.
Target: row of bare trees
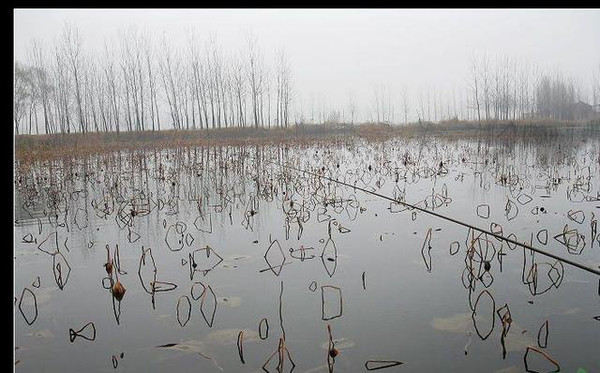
[505, 88]
[501, 88]
[137, 84]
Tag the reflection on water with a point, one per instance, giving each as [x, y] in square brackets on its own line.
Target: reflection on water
[234, 259]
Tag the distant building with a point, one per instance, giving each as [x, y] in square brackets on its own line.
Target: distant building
[577, 111]
[583, 111]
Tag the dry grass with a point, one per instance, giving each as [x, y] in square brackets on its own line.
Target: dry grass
[35, 147]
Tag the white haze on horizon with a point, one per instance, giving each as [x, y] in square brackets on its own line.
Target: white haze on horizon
[335, 53]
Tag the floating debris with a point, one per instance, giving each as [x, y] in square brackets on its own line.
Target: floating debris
[426, 250]
[483, 211]
[542, 336]
[576, 215]
[28, 238]
[484, 326]
[87, 332]
[118, 291]
[29, 297]
[275, 257]
[542, 354]
[37, 283]
[381, 364]
[203, 263]
[331, 305]
[263, 329]
[208, 305]
[184, 310]
[454, 247]
[240, 346]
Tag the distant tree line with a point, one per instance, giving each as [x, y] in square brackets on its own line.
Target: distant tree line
[137, 84]
[505, 88]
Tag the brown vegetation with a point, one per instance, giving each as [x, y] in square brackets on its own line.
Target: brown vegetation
[33, 147]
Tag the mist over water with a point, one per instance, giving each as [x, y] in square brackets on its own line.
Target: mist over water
[306, 190]
[231, 236]
[318, 66]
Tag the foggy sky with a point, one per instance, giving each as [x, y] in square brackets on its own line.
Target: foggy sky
[336, 51]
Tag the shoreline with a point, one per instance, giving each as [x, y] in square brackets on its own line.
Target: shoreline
[36, 147]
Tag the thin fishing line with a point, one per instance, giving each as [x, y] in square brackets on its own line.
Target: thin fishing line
[568, 261]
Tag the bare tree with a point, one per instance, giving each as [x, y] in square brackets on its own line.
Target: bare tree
[197, 77]
[169, 69]
[63, 86]
[22, 94]
[149, 57]
[256, 77]
[283, 89]
[42, 82]
[72, 48]
[405, 105]
[486, 87]
[351, 106]
[239, 87]
[112, 87]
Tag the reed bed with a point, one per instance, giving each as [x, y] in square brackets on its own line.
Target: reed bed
[36, 147]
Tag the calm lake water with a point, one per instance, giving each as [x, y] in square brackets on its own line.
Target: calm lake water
[209, 242]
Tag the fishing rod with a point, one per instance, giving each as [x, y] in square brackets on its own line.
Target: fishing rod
[525, 245]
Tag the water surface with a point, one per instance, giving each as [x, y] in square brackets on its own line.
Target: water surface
[230, 236]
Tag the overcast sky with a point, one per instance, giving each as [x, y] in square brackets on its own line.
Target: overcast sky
[334, 51]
